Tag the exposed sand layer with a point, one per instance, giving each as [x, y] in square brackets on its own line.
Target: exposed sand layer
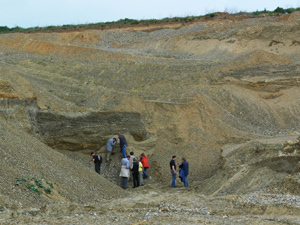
[224, 93]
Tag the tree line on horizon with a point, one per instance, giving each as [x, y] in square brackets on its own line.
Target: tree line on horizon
[125, 22]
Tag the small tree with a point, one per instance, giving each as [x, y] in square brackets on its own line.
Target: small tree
[4, 29]
[279, 10]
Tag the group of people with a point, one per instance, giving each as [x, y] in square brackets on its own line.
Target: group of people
[97, 159]
[138, 166]
[129, 164]
[183, 172]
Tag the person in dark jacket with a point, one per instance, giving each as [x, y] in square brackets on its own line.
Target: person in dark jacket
[123, 143]
[173, 170]
[135, 173]
[184, 171]
[97, 159]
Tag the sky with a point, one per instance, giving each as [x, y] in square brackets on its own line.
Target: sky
[42, 13]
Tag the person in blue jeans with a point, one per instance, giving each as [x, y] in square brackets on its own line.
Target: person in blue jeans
[145, 162]
[173, 170]
[123, 143]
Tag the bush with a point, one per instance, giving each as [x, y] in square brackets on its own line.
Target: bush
[279, 10]
[4, 29]
[256, 13]
[291, 10]
[135, 22]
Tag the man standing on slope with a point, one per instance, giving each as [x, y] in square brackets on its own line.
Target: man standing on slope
[109, 147]
[123, 143]
[173, 170]
[135, 173]
[97, 159]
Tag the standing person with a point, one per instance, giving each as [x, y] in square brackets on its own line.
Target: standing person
[131, 160]
[109, 147]
[125, 173]
[145, 162]
[123, 143]
[173, 170]
[97, 159]
[135, 173]
[184, 171]
[141, 170]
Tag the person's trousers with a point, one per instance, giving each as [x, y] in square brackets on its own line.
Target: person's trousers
[97, 167]
[186, 182]
[124, 182]
[108, 156]
[124, 150]
[141, 180]
[145, 172]
[135, 179]
[173, 178]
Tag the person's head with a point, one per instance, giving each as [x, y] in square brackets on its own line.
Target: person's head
[142, 154]
[92, 153]
[115, 139]
[128, 156]
[131, 153]
[174, 157]
[134, 160]
[119, 133]
[183, 159]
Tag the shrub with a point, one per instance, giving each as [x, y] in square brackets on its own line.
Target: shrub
[4, 29]
[290, 10]
[135, 22]
[279, 10]
[256, 13]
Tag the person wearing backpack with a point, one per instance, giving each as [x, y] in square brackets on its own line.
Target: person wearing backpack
[97, 159]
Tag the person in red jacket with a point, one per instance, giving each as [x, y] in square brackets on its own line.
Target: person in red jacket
[144, 161]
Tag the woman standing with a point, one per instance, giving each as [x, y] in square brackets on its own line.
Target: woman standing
[141, 169]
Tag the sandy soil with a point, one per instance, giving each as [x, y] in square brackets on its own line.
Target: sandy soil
[223, 93]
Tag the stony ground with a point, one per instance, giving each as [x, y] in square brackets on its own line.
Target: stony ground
[222, 93]
[164, 205]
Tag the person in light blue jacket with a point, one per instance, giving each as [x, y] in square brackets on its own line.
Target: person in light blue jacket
[109, 146]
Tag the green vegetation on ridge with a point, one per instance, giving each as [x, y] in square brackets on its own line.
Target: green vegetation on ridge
[131, 22]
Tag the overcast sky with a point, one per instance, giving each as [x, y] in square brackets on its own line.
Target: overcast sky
[32, 13]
